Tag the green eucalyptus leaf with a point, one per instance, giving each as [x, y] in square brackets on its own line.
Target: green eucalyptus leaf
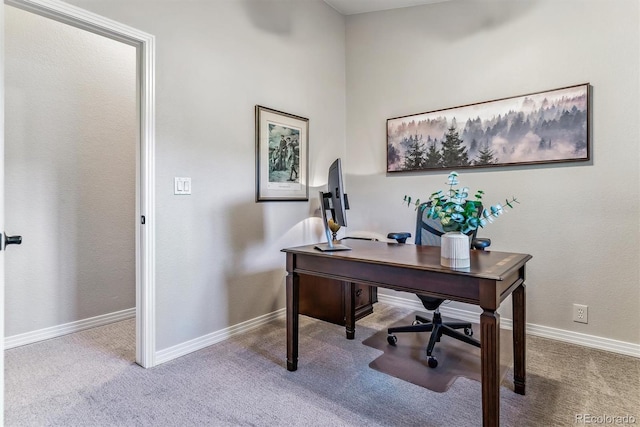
[455, 212]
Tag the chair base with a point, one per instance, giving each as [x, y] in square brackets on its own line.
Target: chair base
[437, 329]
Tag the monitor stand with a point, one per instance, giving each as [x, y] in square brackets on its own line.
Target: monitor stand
[325, 247]
[330, 246]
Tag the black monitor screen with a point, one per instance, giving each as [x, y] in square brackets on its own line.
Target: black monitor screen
[336, 189]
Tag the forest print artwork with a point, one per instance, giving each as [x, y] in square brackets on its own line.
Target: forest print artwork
[543, 127]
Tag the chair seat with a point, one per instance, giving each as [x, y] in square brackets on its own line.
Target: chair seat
[430, 303]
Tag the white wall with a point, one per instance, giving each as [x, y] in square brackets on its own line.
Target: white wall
[579, 221]
[218, 259]
[218, 252]
[70, 153]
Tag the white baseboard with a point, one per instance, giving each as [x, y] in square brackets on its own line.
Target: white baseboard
[592, 341]
[176, 351]
[607, 344]
[199, 343]
[67, 328]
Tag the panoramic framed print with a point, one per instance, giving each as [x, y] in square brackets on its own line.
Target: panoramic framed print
[543, 127]
[282, 159]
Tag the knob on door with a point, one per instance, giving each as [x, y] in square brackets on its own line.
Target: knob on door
[11, 240]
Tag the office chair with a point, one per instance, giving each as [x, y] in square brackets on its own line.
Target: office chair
[428, 232]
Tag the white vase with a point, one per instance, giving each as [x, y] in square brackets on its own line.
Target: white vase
[454, 250]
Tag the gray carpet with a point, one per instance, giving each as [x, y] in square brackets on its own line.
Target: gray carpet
[90, 379]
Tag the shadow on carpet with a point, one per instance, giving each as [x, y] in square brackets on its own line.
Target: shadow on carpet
[408, 359]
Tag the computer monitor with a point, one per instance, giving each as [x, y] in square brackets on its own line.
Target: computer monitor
[336, 202]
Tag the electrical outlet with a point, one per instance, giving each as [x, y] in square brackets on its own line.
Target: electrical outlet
[580, 313]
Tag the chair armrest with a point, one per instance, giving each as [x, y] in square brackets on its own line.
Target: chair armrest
[399, 237]
[480, 243]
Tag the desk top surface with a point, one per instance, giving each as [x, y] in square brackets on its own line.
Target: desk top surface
[484, 264]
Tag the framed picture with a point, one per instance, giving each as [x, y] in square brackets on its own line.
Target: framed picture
[543, 127]
[282, 156]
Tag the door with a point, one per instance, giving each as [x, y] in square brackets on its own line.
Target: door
[2, 209]
[13, 239]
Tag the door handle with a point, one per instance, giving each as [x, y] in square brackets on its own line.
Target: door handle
[12, 240]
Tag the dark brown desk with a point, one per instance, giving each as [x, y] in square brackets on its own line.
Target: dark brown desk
[491, 278]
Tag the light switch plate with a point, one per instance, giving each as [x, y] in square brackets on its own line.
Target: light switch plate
[182, 185]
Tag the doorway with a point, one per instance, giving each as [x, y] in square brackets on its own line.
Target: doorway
[143, 217]
[70, 146]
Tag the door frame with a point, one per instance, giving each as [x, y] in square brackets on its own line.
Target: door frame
[145, 155]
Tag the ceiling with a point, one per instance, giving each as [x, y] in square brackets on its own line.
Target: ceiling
[352, 7]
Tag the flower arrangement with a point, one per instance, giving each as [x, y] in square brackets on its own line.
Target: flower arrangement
[456, 213]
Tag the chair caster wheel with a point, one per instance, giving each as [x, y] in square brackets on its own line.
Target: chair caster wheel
[432, 362]
[468, 332]
[392, 340]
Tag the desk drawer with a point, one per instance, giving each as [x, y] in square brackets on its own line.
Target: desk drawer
[365, 295]
[325, 299]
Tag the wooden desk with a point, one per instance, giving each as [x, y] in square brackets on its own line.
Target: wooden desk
[491, 278]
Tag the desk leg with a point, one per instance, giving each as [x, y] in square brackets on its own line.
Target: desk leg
[350, 312]
[293, 306]
[490, 353]
[519, 339]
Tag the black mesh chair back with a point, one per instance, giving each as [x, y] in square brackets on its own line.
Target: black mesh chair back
[429, 231]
